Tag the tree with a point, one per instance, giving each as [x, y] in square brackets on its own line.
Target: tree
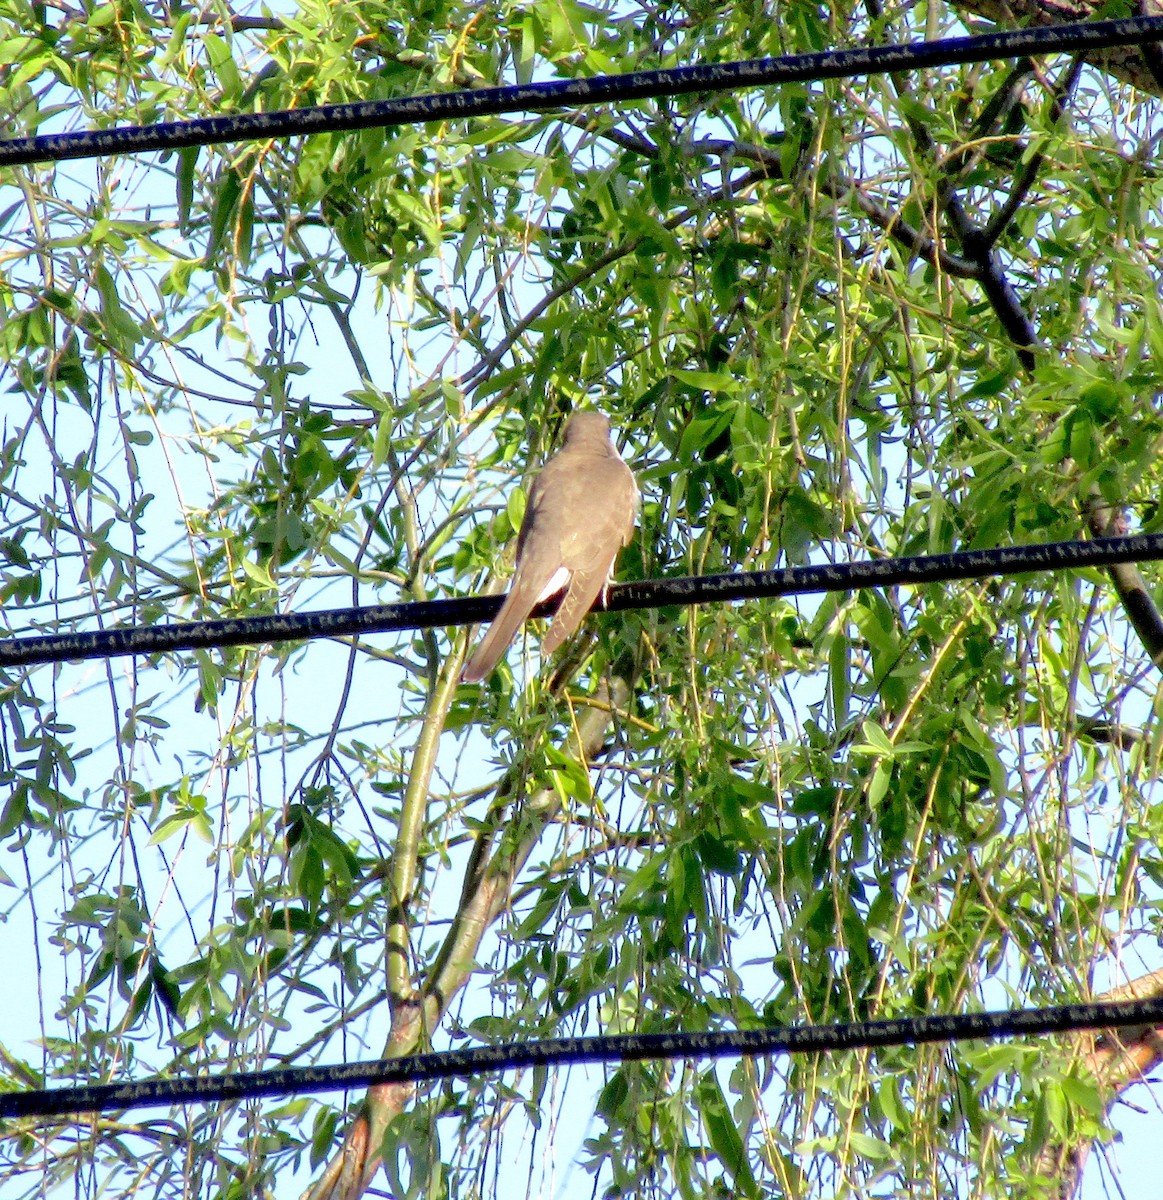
[860, 318]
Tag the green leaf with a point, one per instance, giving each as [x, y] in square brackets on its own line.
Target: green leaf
[723, 1134]
[226, 198]
[708, 381]
[257, 573]
[876, 741]
[716, 855]
[184, 178]
[515, 507]
[612, 1097]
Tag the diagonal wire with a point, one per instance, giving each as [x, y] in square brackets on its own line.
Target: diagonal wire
[572, 93]
[467, 1064]
[651, 593]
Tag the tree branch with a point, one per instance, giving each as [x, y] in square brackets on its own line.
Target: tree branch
[493, 868]
[1104, 520]
[1123, 62]
[1117, 1059]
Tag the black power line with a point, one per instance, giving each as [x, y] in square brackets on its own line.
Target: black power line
[420, 1068]
[573, 93]
[652, 593]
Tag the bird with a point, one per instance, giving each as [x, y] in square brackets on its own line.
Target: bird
[581, 511]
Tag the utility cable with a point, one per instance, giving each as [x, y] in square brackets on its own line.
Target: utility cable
[573, 93]
[650, 593]
[468, 1064]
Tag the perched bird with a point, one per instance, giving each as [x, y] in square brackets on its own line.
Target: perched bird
[580, 513]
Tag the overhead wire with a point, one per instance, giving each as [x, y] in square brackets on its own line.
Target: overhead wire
[479, 1060]
[547, 95]
[914, 571]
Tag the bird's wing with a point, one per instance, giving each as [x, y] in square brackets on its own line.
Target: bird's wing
[584, 587]
[538, 563]
[590, 550]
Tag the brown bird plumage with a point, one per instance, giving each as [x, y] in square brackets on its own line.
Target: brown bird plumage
[580, 513]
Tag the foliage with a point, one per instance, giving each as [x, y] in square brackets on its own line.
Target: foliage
[295, 374]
